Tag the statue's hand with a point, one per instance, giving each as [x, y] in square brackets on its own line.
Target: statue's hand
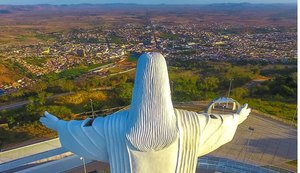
[50, 121]
[243, 112]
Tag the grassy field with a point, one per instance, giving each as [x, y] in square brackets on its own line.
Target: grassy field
[7, 75]
[38, 61]
[278, 109]
[73, 72]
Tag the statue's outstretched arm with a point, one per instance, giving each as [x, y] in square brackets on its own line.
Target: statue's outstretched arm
[80, 137]
[220, 129]
[50, 121]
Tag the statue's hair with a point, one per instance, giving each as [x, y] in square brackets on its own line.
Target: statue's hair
[152, 121]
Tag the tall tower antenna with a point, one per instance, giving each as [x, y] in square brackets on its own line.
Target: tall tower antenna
[93, 113]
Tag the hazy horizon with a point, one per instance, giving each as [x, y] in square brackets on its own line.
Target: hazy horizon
[167, 2]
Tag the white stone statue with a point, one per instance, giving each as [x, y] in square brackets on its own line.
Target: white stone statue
[152, 136]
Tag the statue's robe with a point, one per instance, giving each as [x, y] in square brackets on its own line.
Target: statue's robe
[151, 136]
[105, 140]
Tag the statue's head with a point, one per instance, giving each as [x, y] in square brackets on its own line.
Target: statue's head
[151, 84]
[152, 121]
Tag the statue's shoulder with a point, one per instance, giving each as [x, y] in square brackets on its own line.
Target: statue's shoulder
[187, 117]
[119, 118]
[118, 115]
[111, 122]
[181, 111]
[186, 113]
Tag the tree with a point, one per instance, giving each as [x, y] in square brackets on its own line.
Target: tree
[256, 71]
[10, 121]
[60, 111]
[260, 90]
[36, 102]
[123, 93]
[66, 85]
[241, 75]
[4, 98]
[283, 90]
[239, 93]
[285, 86]
[19, 93]
[209, 84]
[39, 87]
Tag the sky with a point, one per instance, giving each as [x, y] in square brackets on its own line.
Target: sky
[58, 2]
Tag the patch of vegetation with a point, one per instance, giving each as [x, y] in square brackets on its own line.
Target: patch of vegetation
[11, 136]
[132, 59]
[169, 36]
[18, 68]
[7, 75]
[293, 163]
[280, 109]
[208, 80]
[279, 70]
[123, 93]
[80, 98]
[25, 120]
[72, 73]
[44, 37]
[229, 31]
[133, 56]
[114, 38]
[281, 88]
[37, 61]
[21, 38]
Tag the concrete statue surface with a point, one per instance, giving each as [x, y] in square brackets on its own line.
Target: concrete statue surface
[152, 136]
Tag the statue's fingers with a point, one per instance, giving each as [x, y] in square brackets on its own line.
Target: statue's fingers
[245, 105]
[47, 113]
[249, 110]
[50, 116]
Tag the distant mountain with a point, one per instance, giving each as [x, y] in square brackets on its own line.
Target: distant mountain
[246, 5]
[256, 12]
[5, 12]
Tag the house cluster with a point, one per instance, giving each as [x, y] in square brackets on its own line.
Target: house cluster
[110, 43]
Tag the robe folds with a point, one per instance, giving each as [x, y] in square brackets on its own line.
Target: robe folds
[105, 140]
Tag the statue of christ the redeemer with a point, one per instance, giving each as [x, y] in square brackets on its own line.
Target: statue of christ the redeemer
[152, 136]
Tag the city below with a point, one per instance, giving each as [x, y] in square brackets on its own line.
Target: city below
[39, 47]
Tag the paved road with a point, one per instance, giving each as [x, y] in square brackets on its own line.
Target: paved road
[22, 103]
[14, 105]
[29, 150]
